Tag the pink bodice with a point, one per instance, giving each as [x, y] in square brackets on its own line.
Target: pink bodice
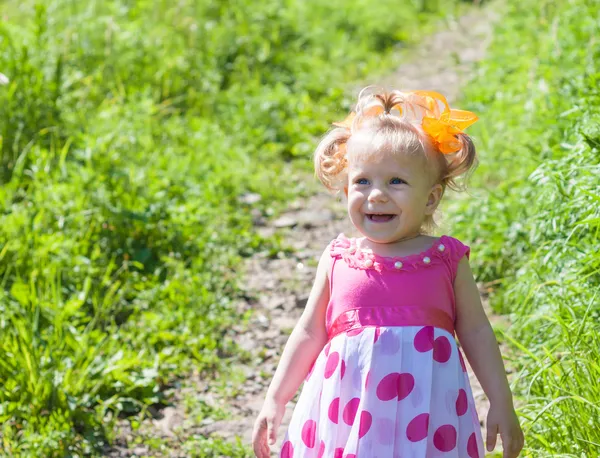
[372, 290]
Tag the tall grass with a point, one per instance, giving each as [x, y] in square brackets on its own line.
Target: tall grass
[534, 216]
[129, 132]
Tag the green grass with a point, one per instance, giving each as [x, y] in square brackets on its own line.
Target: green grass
[533, 218]
[129, 131]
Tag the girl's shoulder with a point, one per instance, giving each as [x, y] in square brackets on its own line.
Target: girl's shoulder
[444, 249]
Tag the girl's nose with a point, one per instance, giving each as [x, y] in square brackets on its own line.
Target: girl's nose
[376, 195]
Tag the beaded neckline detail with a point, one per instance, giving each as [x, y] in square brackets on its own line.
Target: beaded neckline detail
[361, 258]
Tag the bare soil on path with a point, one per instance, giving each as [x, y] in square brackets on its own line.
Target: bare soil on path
[278, 288]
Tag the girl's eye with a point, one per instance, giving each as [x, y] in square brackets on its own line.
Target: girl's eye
[397, 181]
[361, 181]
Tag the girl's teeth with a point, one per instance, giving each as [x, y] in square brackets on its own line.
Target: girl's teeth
[380, 218]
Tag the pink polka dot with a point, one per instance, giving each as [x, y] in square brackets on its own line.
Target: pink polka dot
[365, 423]
[417, 428]
[327, 348]
[287, 451]
[444, 438]
[332, 362]
[334, 410]
[376, 334]
[388, 387]
[350, 455]
[462, 361]
[441, 349]
[424, 339]
[338, 453]
[406, 383]
[308, 433]
[342, 369]
[472, 446]
[350, 410]
[321, 450]
[461, 402]
[354, 332]
[395, 385]
[384, 428]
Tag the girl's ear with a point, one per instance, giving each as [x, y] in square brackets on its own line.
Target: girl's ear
[434, 198]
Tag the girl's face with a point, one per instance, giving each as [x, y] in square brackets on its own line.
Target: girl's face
[389, 195]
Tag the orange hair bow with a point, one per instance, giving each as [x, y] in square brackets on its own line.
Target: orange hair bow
[442, 125]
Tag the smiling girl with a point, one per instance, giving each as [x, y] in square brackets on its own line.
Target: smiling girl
[376, 343]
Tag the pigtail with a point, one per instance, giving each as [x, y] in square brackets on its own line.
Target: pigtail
[330, 158]
[462, 163]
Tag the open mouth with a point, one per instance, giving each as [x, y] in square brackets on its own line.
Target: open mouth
[380, 217]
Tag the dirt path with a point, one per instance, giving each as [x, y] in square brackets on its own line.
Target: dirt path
[443, 63]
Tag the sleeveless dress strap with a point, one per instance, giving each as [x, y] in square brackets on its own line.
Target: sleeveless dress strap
[457, 251]
[336, 249]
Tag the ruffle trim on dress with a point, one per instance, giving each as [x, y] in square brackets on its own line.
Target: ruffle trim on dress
[360, 258]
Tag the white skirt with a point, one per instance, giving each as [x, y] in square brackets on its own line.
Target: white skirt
[386, 392]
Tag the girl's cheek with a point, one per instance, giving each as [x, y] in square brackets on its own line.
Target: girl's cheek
[356, 194]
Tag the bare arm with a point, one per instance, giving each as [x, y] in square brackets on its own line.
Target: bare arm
[306, 340]
[481, 348]
[477, 337]
[302, 348]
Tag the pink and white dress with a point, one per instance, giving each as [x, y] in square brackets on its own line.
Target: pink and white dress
[391, 382]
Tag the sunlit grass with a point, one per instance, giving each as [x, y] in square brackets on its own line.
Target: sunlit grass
[534, 218]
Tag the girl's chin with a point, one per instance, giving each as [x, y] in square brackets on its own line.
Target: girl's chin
[379, 235]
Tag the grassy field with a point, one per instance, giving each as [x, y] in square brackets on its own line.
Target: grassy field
[534, 213]
[130, 135]
[132, 132]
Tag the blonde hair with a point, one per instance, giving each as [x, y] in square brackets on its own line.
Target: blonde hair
[392, 119]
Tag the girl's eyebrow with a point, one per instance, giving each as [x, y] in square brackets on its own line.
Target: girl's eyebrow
[399, 173]
[394, 173]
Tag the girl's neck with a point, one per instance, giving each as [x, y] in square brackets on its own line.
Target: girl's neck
[386, 248]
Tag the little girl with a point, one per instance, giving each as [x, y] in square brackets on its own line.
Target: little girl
[375, 344]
